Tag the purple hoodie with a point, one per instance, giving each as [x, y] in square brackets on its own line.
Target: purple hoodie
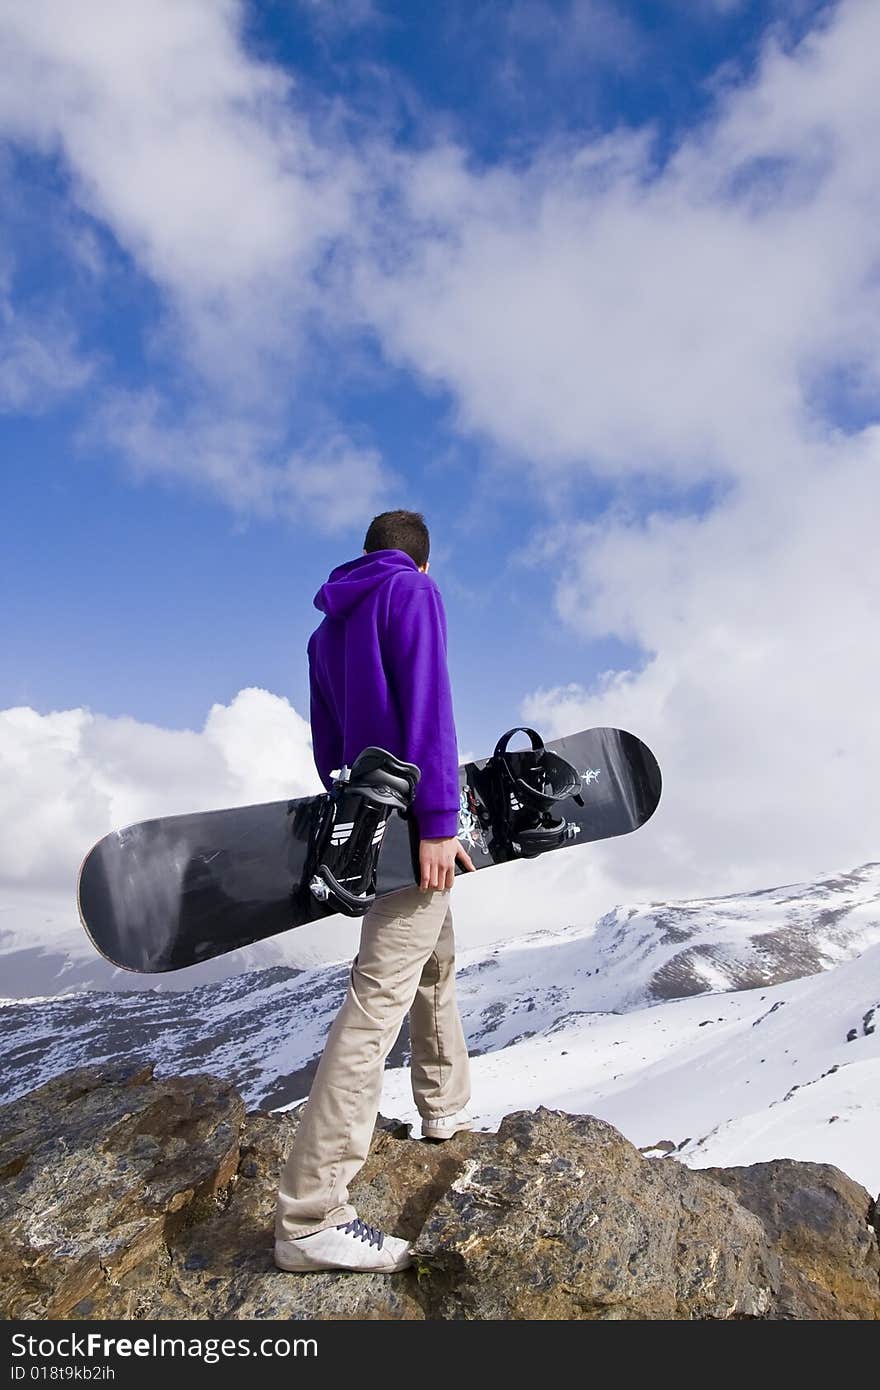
[378, 674]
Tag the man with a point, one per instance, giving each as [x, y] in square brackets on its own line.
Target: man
[378, 675]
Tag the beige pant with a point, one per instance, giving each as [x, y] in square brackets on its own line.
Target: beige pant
[405, 962]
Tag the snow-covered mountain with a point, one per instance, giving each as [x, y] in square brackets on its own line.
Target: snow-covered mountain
[790, 1071]
[44, 951]
[722, 1029]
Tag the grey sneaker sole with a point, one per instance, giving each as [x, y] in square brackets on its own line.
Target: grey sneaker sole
[448, 1133]
[287, 1260]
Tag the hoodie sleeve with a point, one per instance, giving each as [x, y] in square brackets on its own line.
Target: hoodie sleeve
[326, 733]
[419, 678]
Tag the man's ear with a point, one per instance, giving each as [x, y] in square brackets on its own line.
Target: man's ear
[423, 569]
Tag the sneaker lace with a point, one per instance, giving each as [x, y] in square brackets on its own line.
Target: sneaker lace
[361, 1231]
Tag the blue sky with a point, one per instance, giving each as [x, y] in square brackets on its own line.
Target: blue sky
[152, 599]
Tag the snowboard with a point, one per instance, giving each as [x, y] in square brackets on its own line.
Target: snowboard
[169, 893]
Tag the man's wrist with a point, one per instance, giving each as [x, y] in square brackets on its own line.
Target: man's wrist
[437, 825]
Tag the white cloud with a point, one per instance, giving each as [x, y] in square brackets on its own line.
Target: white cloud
[203, 165]
[332, 482]
[69, 777]
[187, 147]
[40, 360]
[759, 695]
[593, 311]
[192, 154]
[341, 16]
[337, 484]
[576, 33]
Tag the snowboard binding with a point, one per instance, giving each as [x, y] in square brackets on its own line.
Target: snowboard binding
[350, 824]
[521, 790]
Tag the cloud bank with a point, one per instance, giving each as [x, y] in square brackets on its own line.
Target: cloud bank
[69, 777]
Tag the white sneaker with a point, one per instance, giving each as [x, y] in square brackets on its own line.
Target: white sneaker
[444, 1126]
[352, 1246]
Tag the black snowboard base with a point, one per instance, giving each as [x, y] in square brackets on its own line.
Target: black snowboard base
[169, 893]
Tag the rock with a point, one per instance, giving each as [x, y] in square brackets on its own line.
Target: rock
[822, 1226]
[127, 1196]
[102, 1169]
[221, 1266]
[558, 1216]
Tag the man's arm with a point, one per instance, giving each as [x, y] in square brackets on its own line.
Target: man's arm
[415, 656]
[419, 676]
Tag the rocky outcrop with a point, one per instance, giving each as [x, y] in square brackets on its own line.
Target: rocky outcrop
[557, 1216]
[127, 1196]
[815, 1216]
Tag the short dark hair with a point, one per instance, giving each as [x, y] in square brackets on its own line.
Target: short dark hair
[400, 530]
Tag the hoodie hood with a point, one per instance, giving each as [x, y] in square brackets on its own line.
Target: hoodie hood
[350, 583]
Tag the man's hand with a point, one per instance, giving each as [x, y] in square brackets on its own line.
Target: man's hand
[437, 862]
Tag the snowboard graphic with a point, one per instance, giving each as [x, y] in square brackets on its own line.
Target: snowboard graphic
[168, 893]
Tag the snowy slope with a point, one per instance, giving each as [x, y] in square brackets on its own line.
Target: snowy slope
[578, 1019]
[44, 951]
[263, 1030]
[640, 955]
[725, 1078]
